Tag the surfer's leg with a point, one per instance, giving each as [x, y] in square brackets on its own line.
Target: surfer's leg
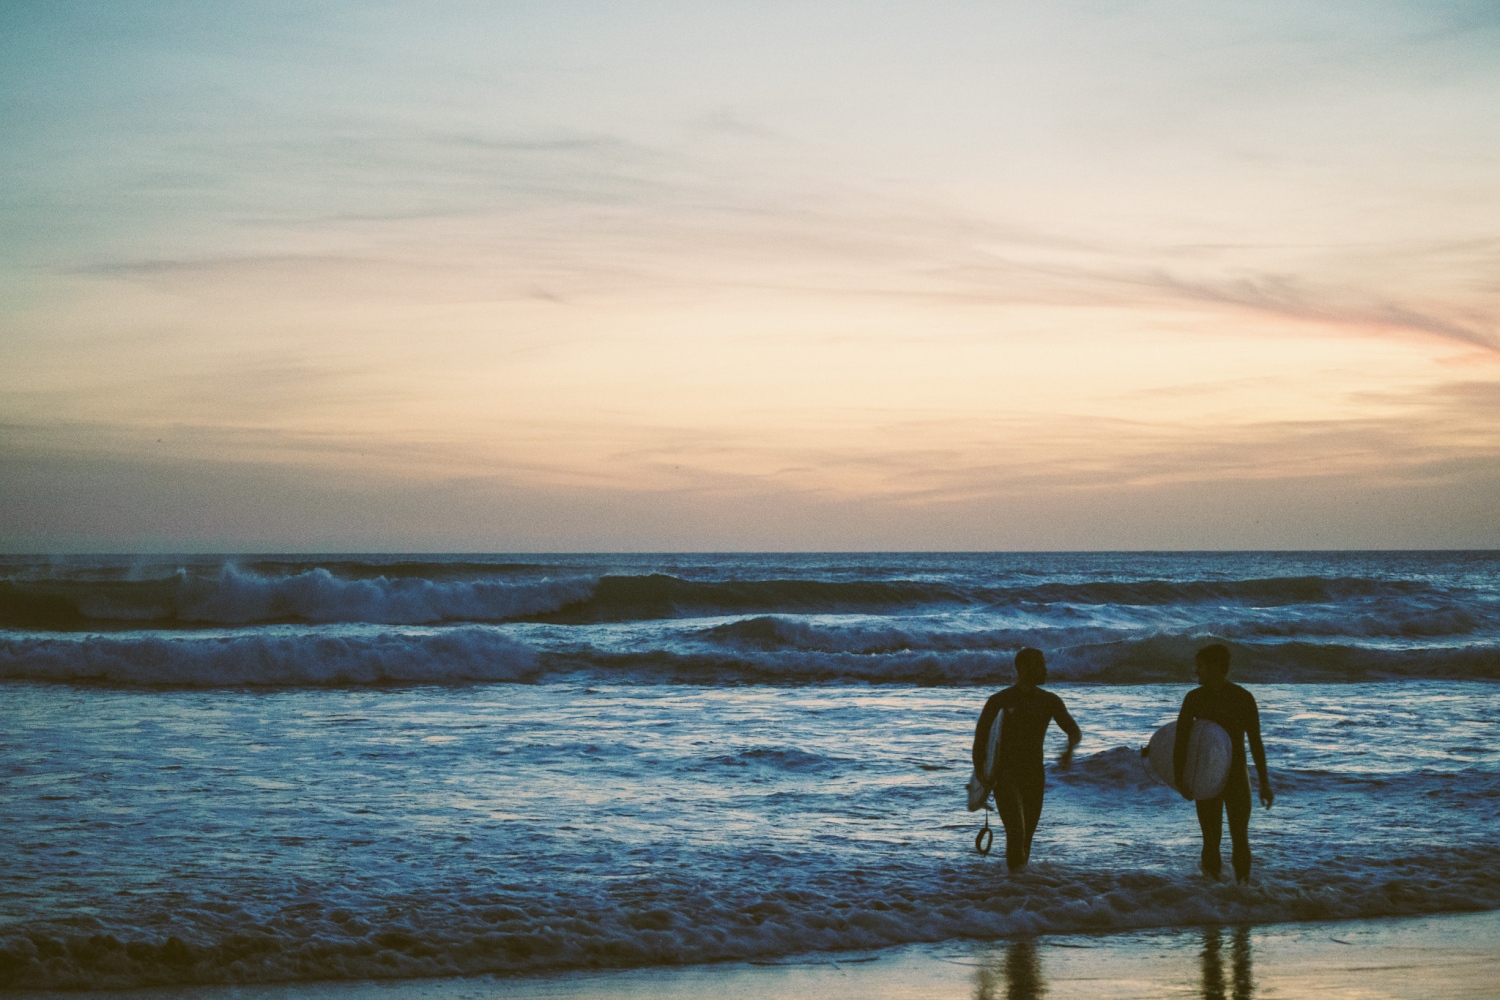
[1237, 806]
[1211, 819]
[1012, 809]
[1032, 794]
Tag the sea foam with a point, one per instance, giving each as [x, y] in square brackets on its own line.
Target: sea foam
[794, 655]
[344, 931]
[451, 656]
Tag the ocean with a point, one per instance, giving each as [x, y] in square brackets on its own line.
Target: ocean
[290, 768]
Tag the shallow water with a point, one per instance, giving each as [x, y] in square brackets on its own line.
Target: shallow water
[607, 814]
[365, 832]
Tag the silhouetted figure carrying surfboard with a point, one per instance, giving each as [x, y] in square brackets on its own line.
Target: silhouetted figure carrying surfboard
[1234, 708]
[1012, 764]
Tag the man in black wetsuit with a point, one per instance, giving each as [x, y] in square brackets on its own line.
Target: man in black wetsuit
[1234, 708]
[1018, 780]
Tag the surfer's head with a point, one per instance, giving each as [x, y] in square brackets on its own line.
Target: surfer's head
[1031, 667]
[1213, 665]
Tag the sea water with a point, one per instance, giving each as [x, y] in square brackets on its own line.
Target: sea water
[251, 769]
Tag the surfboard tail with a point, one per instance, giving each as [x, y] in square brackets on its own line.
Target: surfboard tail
[979, 793]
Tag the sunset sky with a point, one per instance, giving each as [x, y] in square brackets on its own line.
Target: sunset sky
[762, 275]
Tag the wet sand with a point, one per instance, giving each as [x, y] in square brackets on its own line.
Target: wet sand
[1448, 957]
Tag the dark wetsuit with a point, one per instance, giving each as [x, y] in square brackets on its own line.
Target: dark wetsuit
[1019, 777]
[1233, 708]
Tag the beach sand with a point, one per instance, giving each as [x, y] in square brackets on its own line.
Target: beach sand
[1447, 957]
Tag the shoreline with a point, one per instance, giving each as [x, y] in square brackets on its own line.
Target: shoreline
[1453, 956]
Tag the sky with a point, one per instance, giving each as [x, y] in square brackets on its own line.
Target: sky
[595, 276]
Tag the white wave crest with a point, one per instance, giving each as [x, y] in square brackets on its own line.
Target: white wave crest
[196, 660]
[237, 597]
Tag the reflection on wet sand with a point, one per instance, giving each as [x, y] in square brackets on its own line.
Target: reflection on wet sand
[1242, 980]
[1018, 974]
[1021, 973]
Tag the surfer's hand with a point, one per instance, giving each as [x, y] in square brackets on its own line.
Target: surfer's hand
[1065, 759]
[1267, 796]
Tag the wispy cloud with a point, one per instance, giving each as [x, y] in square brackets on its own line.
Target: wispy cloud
[1291, 296]
[902, 262]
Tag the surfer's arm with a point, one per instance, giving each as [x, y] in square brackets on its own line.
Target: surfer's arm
[1258, 752]
[1066, 723]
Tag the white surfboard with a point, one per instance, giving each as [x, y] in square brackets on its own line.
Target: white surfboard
[1210, 751]
[982, 781]
[992, 749]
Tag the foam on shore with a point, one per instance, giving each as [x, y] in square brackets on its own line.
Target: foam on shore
[1449, 957]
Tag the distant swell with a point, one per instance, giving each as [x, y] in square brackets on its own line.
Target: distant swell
[627, 598]
[1268, 592]
[354, 569]
[1139, 661]
[424, 593]
[240, 597]
[465, 654]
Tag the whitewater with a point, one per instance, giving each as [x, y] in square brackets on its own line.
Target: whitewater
[231, 770]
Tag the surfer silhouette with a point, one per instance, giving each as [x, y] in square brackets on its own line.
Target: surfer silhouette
[1016, 774]
[1234, 708]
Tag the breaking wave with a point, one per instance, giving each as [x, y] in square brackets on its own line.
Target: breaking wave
[446, 656]
[240, 597]
[736, 619]
[1272, 592]
[494, 925]
[292, 656]
[423, 593]
[1136, 662]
